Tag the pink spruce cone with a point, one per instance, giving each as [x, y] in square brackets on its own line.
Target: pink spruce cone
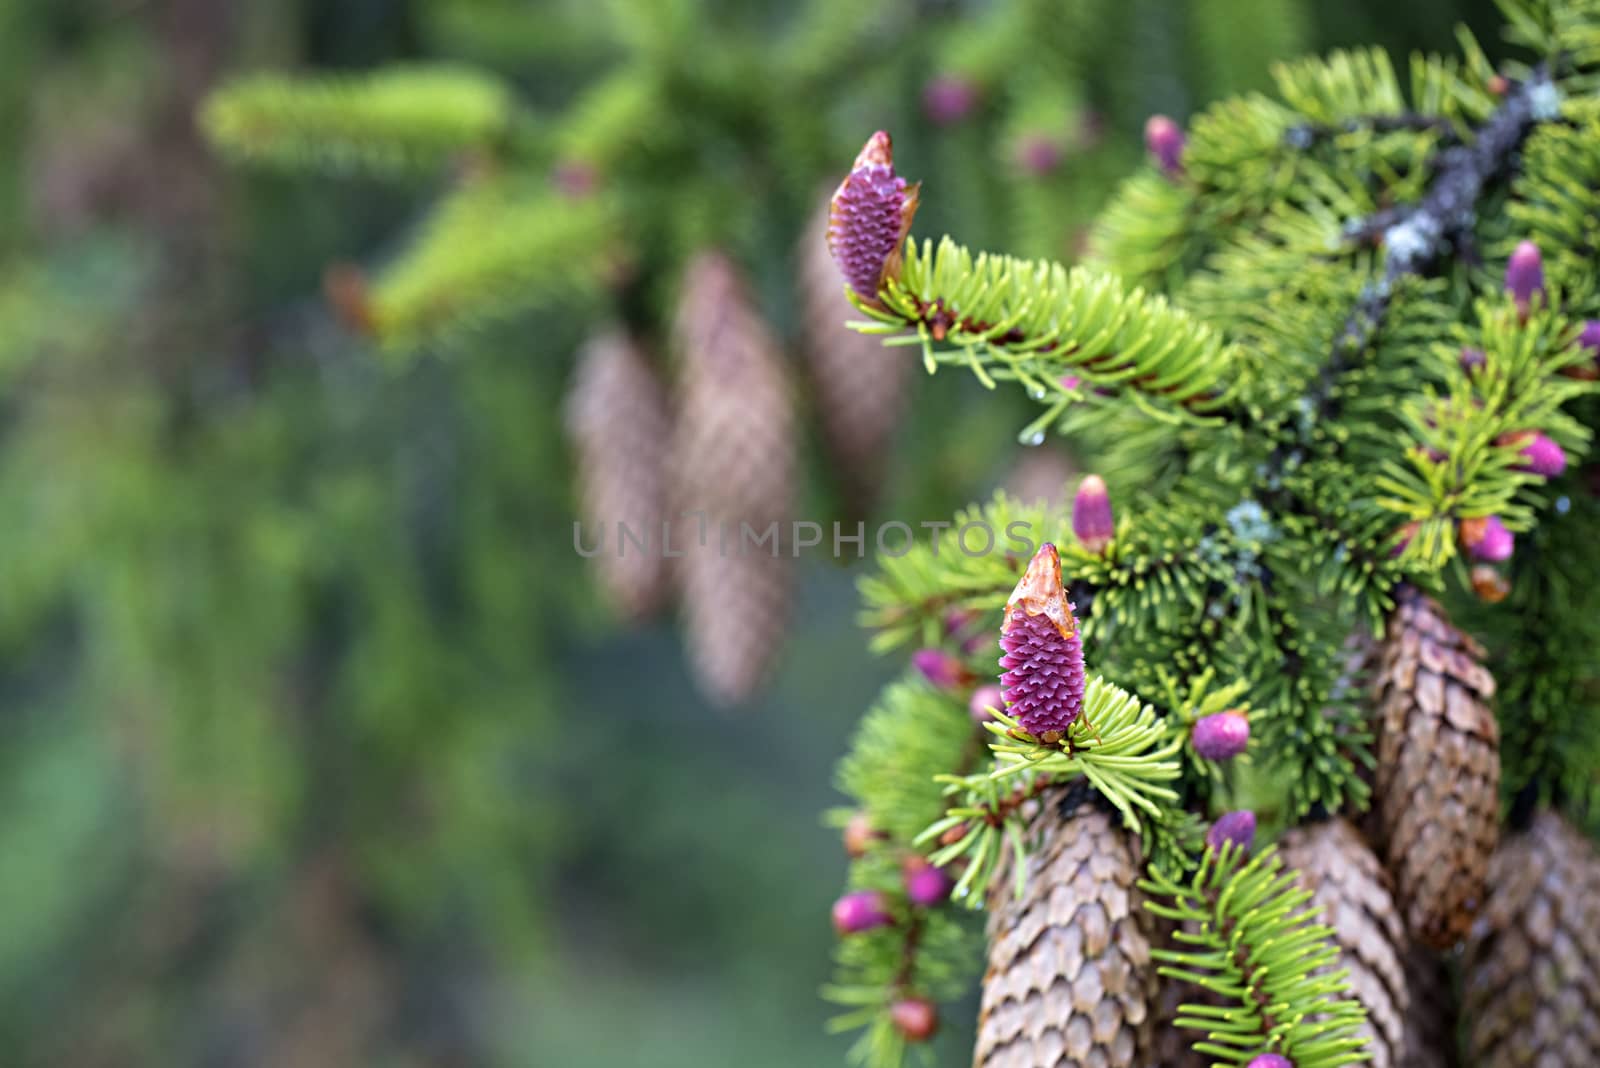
[1236, 827]
[860, 911]
[1165, 142]
[1091, 514]
[941, 668]
[1525, 275]
[1472, 359]
[1487, 539]
[1540, 455]
[1043, 661]
[1271, 1060]
[984, 701]
[925, 884]
[1221, 735]
[869, 218]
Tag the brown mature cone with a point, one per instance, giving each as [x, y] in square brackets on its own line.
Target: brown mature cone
[1172, 1045]
[731, 473]
[617, 419]
[1430, 1023]
[1532, 964]
[859, 384]
[1070, 981]
[1332, 860]
[734, 610]
[1436, 787]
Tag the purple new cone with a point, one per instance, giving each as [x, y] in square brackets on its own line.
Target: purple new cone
[869, 218]
[1043, 677]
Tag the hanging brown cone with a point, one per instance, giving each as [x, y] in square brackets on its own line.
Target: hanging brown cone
[731, 470]
[1069, 981]
[1172, 1045]
[1332, 860]
[617, 419]
[1435, 790]
[858, 384]
[1430, 1022]
[734, 612]
[1531, 990]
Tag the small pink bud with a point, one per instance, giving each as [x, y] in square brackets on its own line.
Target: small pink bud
[1038, 154]
[869, 218]
[1525, 275]
[1070, 381]
[574, 179]
[860, 911]
[859, 835]
[1236, 827]
[985, 701]
[1589, 336]
[1165, 142]
[1091, 514]
[1271, 1060]
[925, 884]
[915, 1018]
[1487, 539]
[1472, 359]
[1540, 455]
[941, 668]
[1221, 735]
[948, 98]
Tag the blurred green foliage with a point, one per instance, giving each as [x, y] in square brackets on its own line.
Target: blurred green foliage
[315, 749]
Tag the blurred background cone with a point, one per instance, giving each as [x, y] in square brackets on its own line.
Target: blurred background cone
[1332, 860]
[617, 420]
[731, 468]
[1532, 964]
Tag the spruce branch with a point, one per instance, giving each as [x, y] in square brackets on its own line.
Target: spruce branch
[1118, 745]
[1252, 940]
[392, 121]
[1035, 323]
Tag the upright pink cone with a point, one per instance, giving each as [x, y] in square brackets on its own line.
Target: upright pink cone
[1091, 514]
[1043, 661]
[869, 218]
[1271, 1060]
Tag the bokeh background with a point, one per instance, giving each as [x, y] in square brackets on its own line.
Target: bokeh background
[318, 744]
